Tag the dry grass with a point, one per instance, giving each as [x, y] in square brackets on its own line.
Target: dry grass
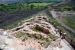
[44, 41]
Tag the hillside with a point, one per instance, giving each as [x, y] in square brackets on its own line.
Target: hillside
[37, 25]
[35, 33]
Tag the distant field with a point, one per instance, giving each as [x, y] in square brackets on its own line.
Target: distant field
[23, 6]
[70, 21]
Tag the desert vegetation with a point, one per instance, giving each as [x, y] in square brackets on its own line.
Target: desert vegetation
[41, 39]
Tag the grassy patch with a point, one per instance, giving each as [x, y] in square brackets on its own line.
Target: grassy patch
[23, 6]
[53, 21]
[70, 21]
